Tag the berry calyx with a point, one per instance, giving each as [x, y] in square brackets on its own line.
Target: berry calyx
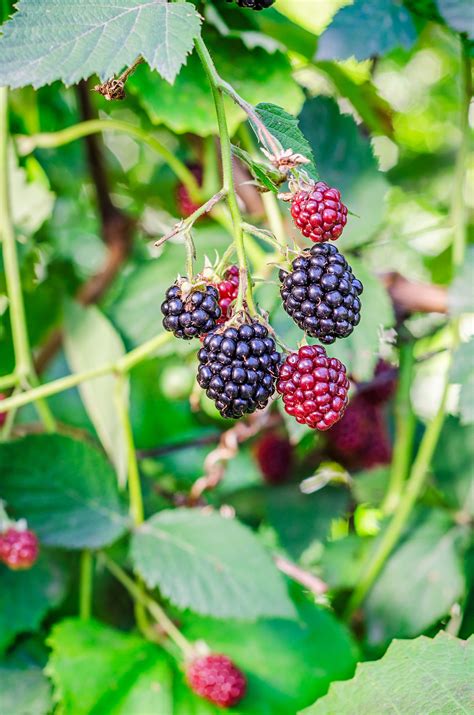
[274, 455]
[228, 291]
[3, 415]
[19, 548]
[216, 678]
[186, 205]
[321, 293]
[319, 212]
[314, 387]
[254, 4]
[238, 368]
[190, 314]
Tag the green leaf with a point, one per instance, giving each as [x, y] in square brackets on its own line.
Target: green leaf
[211, 565]
[32, 201]
[90, 341]
[452, 465]
[25, 691]
[460, 295]
[345, 160]
[188, 106]
[260, 172]
[419, 676]
[47, 40]
[463, 375]
[419, 583]
[65, 489]
[287, 663]
[285, 128]
[27, 596]
[342, 561]
[458, 14]
[125, 674]
[299, 519]
[364, 30]
[359, 351]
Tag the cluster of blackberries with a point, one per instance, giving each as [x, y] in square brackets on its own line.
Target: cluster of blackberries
[191, 315]
[254, 4]
[19, 548]
[321, 294]
[238, 368]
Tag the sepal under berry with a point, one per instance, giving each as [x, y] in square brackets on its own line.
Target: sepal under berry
[314, 387]
[319, 213]
[321, 293]
[191, 313]
[217, 679]
[19, 548]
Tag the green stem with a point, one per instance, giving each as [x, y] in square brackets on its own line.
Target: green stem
[52, 140]
[413, 489]
[85, 585]
[458, 208]
[245, 288]
[211, 178]
[8, 381]
[152, 606]
[134, 485]
[405, 423]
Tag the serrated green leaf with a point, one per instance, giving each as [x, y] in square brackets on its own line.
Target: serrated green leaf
[285, 128]
[462, 373]
[188, 106]
[25, 691]
[345, 160]
[420, 582]
[431, 676]
[211, 565]
[65, 489]
[90, 340]
[458, 14]
[27, 596]
[364, 30]
[48, 40]
[125, 674]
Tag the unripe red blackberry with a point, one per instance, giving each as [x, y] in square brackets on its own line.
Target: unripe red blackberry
[274, 455]
[186, 206]
[192, 314]
[238, 368]
[383, 386]
[228, 291]
[321, 294]
[319, 212]
[314, 387]
[254, 4]
[3, 415]
[216, 678]
[19, 548]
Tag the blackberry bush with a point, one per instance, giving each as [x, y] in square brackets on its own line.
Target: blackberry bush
[314, 387]
[321, 294]
[190, 314]
[319, 212]
[216, 678]
[238, 368]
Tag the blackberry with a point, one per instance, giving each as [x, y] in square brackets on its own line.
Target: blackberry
[254, 4]
[18, 548]
[191, 314]
[228, 291]
[314, 387]
[321, 294]
[319, 212]
[216, 678]
[274, 455]
[238, 368]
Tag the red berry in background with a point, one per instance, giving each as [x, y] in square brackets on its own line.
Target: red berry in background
[228, 291]
[314, 387]
[216, 678]
[383, 386]
[18, 548]
[3, 415]
[319, 212]
[274, 455]
[186, 205]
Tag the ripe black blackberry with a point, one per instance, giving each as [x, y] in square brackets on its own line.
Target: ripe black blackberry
[190, 314]
[254, 4]
[321, 294]
[238, 368]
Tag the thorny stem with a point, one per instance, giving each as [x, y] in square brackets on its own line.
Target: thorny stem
[245, 288]
[150, 604]
[85, 585]
[52, 140]
[404, 431]
[23, 361]
[186, 224]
